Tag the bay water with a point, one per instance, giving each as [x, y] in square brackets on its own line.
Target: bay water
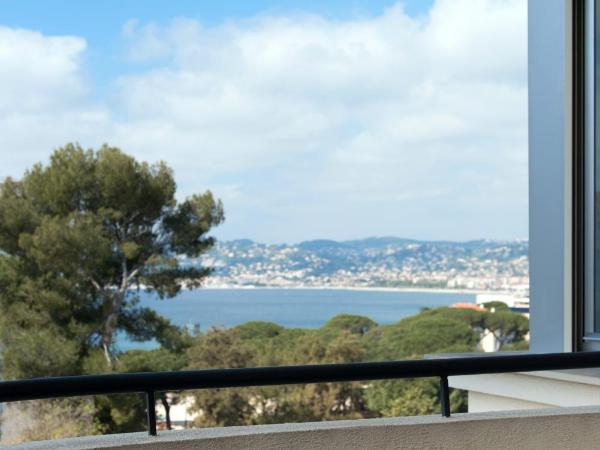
[292, 308]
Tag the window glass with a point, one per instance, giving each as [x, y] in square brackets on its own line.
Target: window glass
[245, 183]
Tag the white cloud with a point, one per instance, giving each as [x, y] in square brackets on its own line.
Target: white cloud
[44, 100]
[35, 68]
[325, 128]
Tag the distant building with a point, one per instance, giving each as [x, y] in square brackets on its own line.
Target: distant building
[516, 303]
[468, 306]
[519, 304]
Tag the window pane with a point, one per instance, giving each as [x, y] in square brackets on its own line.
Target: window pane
[371, 158]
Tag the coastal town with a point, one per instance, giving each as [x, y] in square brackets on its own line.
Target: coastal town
[483, 265]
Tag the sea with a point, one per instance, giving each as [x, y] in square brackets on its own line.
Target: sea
[292, 308]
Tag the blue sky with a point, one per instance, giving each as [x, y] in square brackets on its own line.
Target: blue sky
[101, 23]
[310, 119]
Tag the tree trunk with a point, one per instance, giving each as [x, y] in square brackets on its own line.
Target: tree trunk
[110, 325]
[167, 406]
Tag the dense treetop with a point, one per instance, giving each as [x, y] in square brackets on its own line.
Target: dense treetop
[77, 236]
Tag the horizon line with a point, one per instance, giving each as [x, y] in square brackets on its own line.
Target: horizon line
[396, 238]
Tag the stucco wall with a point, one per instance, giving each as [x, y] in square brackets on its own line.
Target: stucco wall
[479, 402]
[526, 390]
[566, 428]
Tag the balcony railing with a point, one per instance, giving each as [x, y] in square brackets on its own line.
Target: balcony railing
[150, 383]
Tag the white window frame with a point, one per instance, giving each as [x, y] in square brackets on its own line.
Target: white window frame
[551, 182]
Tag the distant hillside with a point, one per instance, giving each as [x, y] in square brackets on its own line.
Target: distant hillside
[376, 261]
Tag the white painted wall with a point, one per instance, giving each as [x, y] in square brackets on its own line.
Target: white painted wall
[512, 391]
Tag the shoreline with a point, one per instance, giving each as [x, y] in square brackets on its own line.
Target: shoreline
[366, 288]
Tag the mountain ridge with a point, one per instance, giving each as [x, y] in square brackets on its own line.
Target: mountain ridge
[375, 261]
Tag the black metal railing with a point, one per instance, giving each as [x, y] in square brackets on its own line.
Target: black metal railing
[149, 383]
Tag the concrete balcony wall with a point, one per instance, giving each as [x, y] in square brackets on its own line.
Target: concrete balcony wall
[563, 428]
[526, 390]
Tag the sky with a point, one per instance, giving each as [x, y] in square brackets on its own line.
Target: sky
[309, 119]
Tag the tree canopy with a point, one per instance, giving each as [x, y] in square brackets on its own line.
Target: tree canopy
[79, 237]
[259, 343]
[84, 234]
[344, 338]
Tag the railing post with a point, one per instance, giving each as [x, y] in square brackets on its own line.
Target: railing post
[151, 408]
[445, 396]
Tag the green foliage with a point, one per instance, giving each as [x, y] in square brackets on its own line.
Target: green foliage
[353, 324]
[421, 334]
[516, 346]
[344, 338]
[404, 397]
[82, 235]
[122, 413]
[438, 330]
[249, 344]
[415, 398]
[157, 360]
[508, 327]
[270, 343]
[473, 318]
[496, 306]
[221, 348]
[125, 413]
[258, 330]
[48, 419]
[45, 353]
[77, 236]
